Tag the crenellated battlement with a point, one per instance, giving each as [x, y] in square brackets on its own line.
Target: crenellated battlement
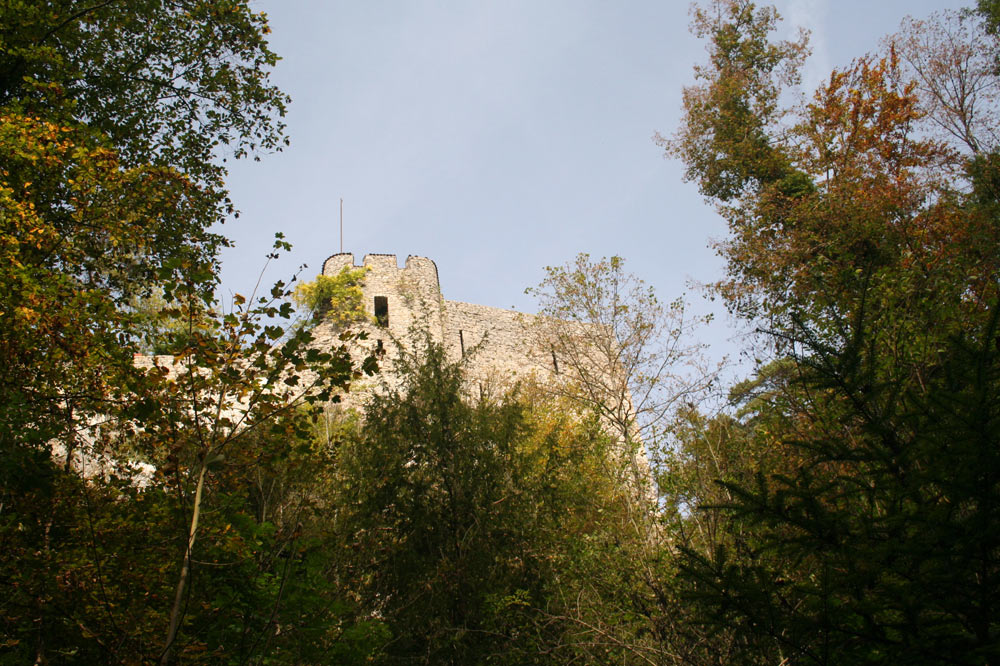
[336, 263]
[395, 297]
[423, 266]
[380, 262]
[386, 266]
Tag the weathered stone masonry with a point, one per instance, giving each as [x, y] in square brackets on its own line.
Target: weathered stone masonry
[497, 343]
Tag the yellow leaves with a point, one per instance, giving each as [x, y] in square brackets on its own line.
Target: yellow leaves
[861, 122]
[47, 162]
[26, 314]
[339, 296]
[34, 139]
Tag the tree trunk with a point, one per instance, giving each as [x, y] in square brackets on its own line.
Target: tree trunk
[175, 613]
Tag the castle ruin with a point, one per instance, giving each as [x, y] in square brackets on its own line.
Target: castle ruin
[498, 347]
[496, 344]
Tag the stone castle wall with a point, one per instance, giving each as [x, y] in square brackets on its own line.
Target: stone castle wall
[413, 292]
[497, 344]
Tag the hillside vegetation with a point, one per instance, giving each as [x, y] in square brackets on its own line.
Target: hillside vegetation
[214, 504]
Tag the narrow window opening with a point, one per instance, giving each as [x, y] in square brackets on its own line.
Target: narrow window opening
[382, 311]
[379, 349]
[555, 361]
[461, 341]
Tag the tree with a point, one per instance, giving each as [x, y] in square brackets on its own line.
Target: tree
[469, 525]
[631, 362]
[625, 356]
[952, 60]
[166, 83]
[868, 258]
[234, 377]
[809, 228]
[990, 11]
[115, 123]
[727, 137]
[184, 561]
[112, 117]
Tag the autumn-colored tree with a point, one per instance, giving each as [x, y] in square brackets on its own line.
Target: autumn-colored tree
[115, 121]
[112, 116]
[624, 354]
[181, 561]
[833, 193]
[951, 58]
[634, 363]
[864, 249]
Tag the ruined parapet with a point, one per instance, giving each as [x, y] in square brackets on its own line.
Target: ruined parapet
[337, 263]
[89, 463]
[402, 301]
[397, 300]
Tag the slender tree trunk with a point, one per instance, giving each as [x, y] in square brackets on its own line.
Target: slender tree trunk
[70, 440]
[175, 612]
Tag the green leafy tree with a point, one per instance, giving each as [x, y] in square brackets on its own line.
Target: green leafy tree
[115, 123]
[168, 83]
[211, 547]
[469, 524]
[868, 258]
[113, 115]
[632, 362]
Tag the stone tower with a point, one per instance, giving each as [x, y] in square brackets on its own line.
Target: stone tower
[496, 343]
[397, 298]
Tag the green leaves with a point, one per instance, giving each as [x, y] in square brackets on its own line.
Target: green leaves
[860, 453]
[112, 117]
[728, 138]
[461, 519]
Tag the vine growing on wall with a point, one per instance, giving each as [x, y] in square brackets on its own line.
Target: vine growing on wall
[335, 297]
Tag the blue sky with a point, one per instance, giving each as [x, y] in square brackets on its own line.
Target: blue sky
[500, 137]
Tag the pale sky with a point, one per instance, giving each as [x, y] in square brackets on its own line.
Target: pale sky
[500, 137]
